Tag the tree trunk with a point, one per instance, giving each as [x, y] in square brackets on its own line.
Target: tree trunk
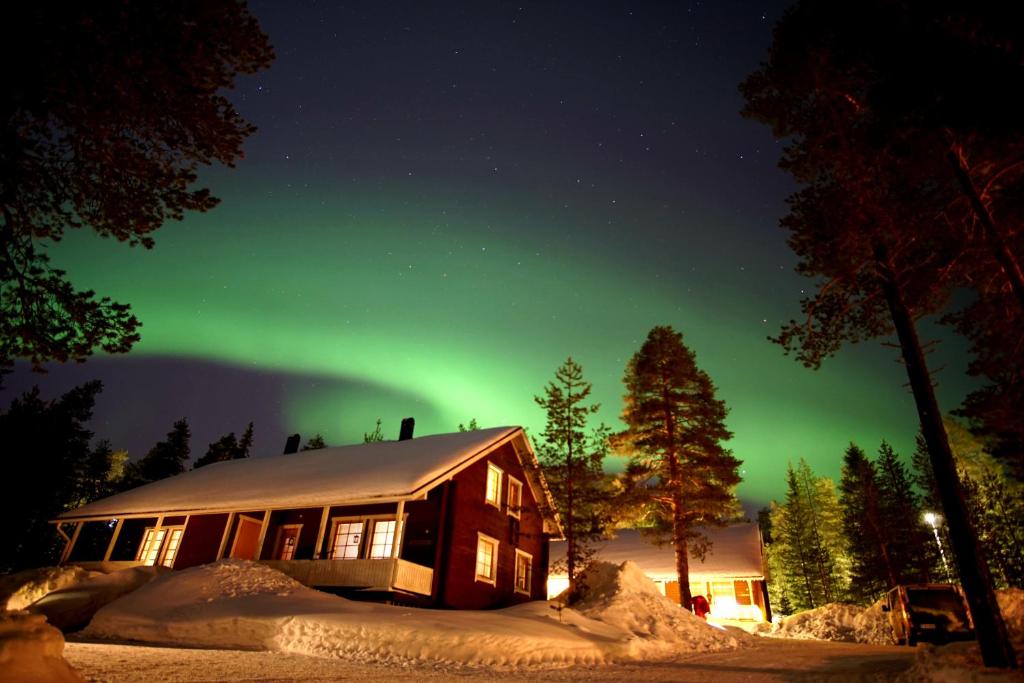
[1001, 250]
[679, 529]
[993, 639]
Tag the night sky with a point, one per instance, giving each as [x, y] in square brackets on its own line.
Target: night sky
[443, 203]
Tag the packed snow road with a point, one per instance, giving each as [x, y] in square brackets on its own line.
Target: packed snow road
[768, 661]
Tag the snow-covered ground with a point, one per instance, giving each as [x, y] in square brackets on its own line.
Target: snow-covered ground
[31, 650]
[951, 663]
[243, 605]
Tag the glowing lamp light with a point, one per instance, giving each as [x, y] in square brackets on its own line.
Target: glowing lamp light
[931, 518]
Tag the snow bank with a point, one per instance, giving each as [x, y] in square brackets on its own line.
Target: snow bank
[71, 607]
[31, 650]
[244, 605]
[837, 621]
[18, 591]
[623, 596]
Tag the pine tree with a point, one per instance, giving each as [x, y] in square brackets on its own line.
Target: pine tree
[571, 460]
[47, 451]
[471, 427]
[315, 442]
[166, 459]
[245, 443]
[901, 510]
[867, 530]
[376, 436]
[675, 430]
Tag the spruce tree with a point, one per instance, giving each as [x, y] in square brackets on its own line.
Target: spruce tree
[49, 468]
[227, 447]
[674, 435]
[902, 513]
[868, 533]
[376, 436]
[571, 459]
[166, 459]
[315, 442]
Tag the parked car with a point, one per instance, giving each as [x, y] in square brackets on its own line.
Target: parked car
[930, 612]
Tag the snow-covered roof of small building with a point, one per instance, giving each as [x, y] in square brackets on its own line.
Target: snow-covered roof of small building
[735, 551]
[385, 471]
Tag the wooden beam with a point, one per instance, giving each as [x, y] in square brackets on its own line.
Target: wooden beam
[113, 539]
[224, 537]
[71, 544]
[398, 529]
[318, 550]
[263, 534]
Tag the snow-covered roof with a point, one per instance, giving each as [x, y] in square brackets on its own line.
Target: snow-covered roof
[385, 471]
[735, 551]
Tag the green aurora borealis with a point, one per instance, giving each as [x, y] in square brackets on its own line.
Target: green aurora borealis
[471, 318]
[444, 201]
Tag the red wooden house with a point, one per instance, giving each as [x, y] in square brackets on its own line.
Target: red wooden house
[454, 520]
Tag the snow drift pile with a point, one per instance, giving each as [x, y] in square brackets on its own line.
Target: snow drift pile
[18, 591]
[624, 597]
[837, 621]
[243, 605]
[31, 650]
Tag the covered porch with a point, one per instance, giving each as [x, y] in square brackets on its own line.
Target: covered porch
[360, 547]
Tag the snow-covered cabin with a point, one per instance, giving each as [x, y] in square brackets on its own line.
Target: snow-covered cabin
[453, 520]
[731, 575]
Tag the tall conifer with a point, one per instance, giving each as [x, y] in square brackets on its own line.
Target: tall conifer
[571, 460]
[674, 435]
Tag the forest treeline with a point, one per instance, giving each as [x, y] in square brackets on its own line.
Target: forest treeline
[852, 541]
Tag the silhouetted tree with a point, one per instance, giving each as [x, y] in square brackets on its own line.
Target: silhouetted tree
[165, 459]
[109, 111]
[471, 427]
[315, 442]
[571, 459]
[49, 467]
[376, 436]
[674, 435]
[227, 447]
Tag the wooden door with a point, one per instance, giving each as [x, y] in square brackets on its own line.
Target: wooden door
[287, 541]
[247, 537]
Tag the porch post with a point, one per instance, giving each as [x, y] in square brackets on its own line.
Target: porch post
[113, 539]
[71, 544]
[318, 550]
[263, 534]
[224, 536]
[398, 529]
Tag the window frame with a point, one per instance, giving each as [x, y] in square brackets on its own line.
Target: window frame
[153, 552]
[495, 544]
[365, 547]
[514, 510]
[277, 541]
[492, 468]
[528, 590]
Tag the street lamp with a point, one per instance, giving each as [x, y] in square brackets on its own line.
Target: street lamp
[932, 520]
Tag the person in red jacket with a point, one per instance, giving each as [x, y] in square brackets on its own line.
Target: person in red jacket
[701, 607]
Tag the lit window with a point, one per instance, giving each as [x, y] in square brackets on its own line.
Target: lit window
[150, 547]
[493, 485]
[524, 572]
[515, 496]
[486, 559]
[171, 549]
[347, 536]
[383, 539]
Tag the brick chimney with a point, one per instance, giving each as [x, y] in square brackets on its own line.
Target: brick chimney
[292, 444]
[408, 424]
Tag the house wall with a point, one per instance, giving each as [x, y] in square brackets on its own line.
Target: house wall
[309, 518]
[201, 540]
[468, 513]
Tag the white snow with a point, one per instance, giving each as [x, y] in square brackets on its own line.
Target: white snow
[839, 622]
[235, 604]
[71, 607]
[31, 649]
[21, 589]
[385, 470]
